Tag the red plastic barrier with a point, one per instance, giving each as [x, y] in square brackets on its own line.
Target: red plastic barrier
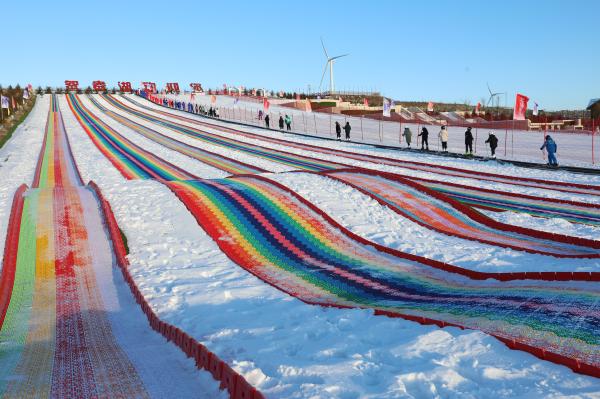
[191, 347]
[11, 247]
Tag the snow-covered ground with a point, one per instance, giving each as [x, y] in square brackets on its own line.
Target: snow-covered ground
[18, 159]
[292, 350]
[574, 148]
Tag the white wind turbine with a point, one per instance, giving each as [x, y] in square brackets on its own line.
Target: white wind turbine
[330, 64]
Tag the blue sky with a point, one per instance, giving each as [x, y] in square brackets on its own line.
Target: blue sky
[408, 50]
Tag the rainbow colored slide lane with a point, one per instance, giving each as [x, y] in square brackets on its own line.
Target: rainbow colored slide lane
[286, 241]
[574, 211]
[58, 303]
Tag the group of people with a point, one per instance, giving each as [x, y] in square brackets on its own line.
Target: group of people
[549, 144]
[338, 130]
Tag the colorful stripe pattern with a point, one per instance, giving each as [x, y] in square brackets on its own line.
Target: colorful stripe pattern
[489, 199]
[274, 234]
[439, 213]
[444, 170]
[55, 336]
[131, 160]
[218, 161]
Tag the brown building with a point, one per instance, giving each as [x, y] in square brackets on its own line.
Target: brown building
[594, 107]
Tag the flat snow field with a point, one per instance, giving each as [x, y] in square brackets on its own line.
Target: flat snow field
[292, 350]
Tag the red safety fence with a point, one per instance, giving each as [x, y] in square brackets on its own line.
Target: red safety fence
[233, 382]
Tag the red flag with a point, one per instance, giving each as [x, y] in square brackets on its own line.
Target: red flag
[366, 102]
[430, 107]
[520, 107]
[14, 104]
[308, 106]
[266, 104]
[478, 107]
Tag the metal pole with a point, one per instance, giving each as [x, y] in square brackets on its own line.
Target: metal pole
[362, 132]
[330, 124]
[315, 120]
[593, 133]
[379, 132]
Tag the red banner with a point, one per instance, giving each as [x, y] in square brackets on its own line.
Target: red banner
[125, 87]
[196, 87]
[71, 85]
[173, 87]
[366, 102]
[520, 107]
[266, 104]
[98, 85]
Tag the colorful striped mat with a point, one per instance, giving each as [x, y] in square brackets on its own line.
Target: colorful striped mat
[440, 213]
[578, 212]
[273, 233]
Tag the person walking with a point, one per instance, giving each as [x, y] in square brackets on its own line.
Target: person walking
[443, 135]
[280, 122]
[338, 130]
[469, 142]
[288, 122]
[493, 141]
[424, 139]
[347, 129]
[260, 114]
[550, 146]
[408, 135]
[267, 119]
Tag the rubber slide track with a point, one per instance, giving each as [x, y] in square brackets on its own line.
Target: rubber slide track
[66, 329]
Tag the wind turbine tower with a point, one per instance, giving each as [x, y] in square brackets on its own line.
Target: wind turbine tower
[329, 63]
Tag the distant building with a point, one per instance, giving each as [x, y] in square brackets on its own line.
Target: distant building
[594, 107]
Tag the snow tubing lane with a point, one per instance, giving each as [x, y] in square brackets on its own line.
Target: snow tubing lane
[235, 383]
[284, 240]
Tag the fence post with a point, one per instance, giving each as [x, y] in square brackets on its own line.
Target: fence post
[304, 121]
[315, 120]
[593, 133]
[330, 124]
[379, 131]
[505, 139]
[476, 129]
[362, 133]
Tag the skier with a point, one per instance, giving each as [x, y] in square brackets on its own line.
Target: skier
[468, 142]
[338, 130]
[424, 138]
[551, 147]
[288, 122]
[267, 121]
[280, 122]
[493, 140]
[408, 134]
[347, 129]
[443, 135]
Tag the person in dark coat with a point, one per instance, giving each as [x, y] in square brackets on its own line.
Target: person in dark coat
[347, 129]
[550, 146]
[469, 142]
[338, 130]
[424, 138]
[493, 141]
[267, 119]
[280, 122]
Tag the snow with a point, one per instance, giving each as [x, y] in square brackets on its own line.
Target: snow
[573, 148]
[18, 159]
[289, 349]
[367, 218]
[492, 167]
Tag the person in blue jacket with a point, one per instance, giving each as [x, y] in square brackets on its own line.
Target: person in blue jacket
[551, 147]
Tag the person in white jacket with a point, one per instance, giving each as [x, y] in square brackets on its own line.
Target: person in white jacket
[443, 135]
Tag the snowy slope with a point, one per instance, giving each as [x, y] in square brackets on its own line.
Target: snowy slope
[289, 349]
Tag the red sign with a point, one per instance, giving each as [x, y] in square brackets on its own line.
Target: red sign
[366, 102]
[196, 87]
[173, 87]
[520, 107]
[71, 85]
[98, 85]
[149, 87]
[125, 87]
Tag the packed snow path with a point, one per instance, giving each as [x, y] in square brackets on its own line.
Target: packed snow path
[276, 235]
[69, 326]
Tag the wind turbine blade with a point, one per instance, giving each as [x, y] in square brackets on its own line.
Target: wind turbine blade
[325, 51]
[323, 76]
[490, 90]
[338, 56]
